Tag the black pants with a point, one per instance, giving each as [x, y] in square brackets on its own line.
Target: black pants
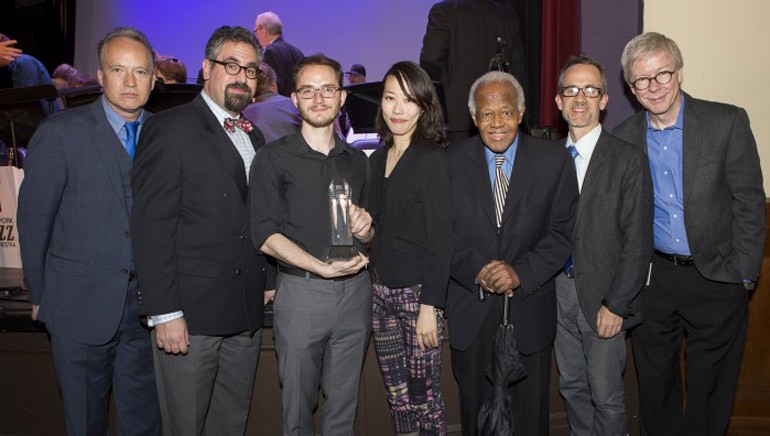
[529, 396]
[712, 318]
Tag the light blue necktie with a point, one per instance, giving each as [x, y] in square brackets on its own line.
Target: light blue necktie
[570, 265]
[131, 129]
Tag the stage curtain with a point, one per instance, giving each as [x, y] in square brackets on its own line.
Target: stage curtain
[561, 39]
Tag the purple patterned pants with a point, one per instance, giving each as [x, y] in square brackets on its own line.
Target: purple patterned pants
[412, 377]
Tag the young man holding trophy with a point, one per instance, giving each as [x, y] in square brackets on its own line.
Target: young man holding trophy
[308, 194]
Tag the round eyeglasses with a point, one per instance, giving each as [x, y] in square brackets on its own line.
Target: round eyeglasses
[573, 91]
[234, 69]
[308, 92]
[662, 78]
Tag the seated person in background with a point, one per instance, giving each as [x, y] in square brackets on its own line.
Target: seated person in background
[275, 115]
[170, 70]
[65, 76]
[357, 74]
[26, 70]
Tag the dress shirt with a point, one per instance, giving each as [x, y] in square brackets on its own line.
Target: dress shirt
[664, 148]
[292, 182]
[240, 139]
[118, 123]
[585, 147]
[510, 157]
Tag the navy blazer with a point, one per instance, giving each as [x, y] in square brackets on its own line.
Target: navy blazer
[535, 237]
[73, 218]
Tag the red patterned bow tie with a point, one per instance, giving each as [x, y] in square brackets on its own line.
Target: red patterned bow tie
[241, 123]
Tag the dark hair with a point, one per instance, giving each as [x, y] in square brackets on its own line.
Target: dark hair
[416, 84]
[318, 59]
[171, 68]
[583, 60]
[127, 33]
[234, 34]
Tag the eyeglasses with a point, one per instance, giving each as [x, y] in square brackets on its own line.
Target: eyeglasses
[234, 69]
[662, 78]
[307, 92]
[588, 91]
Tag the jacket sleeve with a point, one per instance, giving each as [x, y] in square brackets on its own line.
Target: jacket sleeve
[435, 43]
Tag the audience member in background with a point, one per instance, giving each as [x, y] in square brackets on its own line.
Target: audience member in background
[323, 309]
[275, 115]
[598, 294]
[409, 200]
[74, 207]
[357, 74]
[8, 53]
[65, 76]
[709, 236]
[278, 53]
[459, 43]
[26, 70]
[171, 70]
[201, 278]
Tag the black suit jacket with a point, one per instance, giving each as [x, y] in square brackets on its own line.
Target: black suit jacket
[460, 40]
[535, 237]
[413, 241]
[282, 57]
[613, 231]
[724, 199]
[190, 223]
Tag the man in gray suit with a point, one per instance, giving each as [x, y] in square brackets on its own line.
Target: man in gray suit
[597, 293]
[74, 207]
[709, 234]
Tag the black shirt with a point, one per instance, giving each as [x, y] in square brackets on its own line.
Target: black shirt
[289, 185]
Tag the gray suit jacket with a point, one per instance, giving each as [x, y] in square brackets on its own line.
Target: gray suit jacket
[613, 231]
[724, 199]
[73, 217]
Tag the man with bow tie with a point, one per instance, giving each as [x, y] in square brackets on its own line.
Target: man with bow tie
[201, 279]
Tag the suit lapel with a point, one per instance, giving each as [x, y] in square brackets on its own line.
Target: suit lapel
[220, 145]
[692, 137]
[478, 174]
[107, 146]
[595, 166]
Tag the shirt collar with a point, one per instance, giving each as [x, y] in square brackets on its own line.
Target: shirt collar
[679, 117]
[219, 113]
[586, 145]
[116, 121]
[509, 154]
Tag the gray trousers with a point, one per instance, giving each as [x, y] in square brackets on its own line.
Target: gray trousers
[321, 334]
[590, 368]
[208, 390]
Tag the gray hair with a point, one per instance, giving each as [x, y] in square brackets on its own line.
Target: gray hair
[495, 77]
[648, 44]
[127, 33]
[230, 34]
[583, 60]
[270, 21]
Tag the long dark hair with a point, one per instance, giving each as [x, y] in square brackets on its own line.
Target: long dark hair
[416, 85]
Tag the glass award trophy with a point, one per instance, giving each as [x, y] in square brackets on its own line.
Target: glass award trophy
[341, 245]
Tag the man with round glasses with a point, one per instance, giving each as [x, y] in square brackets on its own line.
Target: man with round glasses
[201, 279]
[708, 233]
[597, 294]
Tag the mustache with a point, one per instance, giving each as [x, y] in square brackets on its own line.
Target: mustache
[238, 85]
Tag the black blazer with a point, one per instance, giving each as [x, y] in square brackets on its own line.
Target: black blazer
[613, 231]
[190, 224]
[724, 199]
[282, 57]
[459, 42]
[535, 237]
[412, 217]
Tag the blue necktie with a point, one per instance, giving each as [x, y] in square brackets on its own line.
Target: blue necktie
[570, 265]
[131, 129]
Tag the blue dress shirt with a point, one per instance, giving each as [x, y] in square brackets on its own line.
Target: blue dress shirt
[510, 156]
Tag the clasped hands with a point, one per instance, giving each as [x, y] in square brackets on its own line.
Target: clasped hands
[361, 228]
[498, 277]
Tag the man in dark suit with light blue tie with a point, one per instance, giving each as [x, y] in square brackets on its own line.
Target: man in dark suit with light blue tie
[709, 235]
[74, 208]
[597, 294]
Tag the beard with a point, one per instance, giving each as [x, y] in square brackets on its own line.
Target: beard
[307, 116]
[237, 102]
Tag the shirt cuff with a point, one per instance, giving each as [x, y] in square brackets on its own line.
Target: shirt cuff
[156, 320]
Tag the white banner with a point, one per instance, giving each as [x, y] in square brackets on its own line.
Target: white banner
[10, 180]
